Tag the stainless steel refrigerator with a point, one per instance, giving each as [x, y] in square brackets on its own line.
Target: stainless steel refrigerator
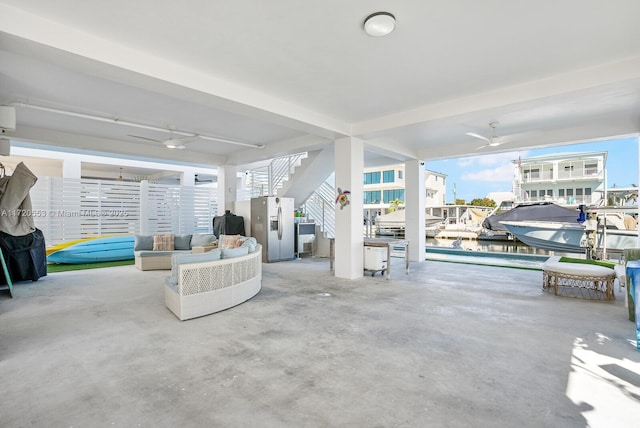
[272, 224]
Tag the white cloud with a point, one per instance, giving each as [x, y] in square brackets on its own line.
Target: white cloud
[465, 162]
[503, 172]
[491, 159]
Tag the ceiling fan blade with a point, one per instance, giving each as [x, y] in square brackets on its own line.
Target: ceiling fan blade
[145, 138]
[188, 138]
[198, 180]
[179, 143]
[474, 135]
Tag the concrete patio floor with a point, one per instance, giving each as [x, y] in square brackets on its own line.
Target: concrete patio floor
[447, 345]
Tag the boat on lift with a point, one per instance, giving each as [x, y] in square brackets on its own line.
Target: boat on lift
[606, 231]
[393, 223]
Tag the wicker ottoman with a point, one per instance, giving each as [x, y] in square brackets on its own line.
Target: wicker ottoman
[578, 280]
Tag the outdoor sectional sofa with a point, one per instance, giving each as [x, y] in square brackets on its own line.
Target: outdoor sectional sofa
[201, 284]
[153, 257]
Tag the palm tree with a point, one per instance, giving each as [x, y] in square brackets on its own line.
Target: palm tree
[394, 205]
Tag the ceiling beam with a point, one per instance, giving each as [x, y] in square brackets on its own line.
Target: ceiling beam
[75, 143]
[100, 57]
[591, 79]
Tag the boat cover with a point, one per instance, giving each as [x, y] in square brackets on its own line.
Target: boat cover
[23, 246]
[228, 224]
[543, 211]
[25, 256]
[16, 217]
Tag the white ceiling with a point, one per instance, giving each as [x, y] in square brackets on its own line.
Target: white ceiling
[294, 76]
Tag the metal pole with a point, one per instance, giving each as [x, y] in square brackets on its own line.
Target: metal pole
[454, 193]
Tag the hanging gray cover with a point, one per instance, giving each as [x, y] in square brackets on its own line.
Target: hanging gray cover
[16, 216]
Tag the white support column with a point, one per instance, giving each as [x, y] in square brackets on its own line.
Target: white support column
[72, 168]
[349, 244]
[414, 201]
[227, 188]
[144, 208]
[638, 195]
[188, 177]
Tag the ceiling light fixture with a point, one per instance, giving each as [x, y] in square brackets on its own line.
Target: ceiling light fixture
[379, 24]
[138, 125]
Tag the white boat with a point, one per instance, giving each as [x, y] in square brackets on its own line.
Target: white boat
[453, 231]
[394, 223]
[462, 221]
[568, 237]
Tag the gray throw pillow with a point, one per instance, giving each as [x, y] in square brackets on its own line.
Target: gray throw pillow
[199, 239]
[143, 243]
[182, 242]
[249, 242]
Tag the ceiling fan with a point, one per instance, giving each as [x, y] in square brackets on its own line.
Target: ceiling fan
[171, 143]
[492, 141]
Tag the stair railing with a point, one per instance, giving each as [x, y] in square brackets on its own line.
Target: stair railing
[320, 207]
[266, 180]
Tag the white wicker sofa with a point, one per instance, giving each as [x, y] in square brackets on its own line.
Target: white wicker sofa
[202, 284]
[148, 257]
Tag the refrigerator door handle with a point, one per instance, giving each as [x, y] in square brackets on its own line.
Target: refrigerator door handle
[279, 223]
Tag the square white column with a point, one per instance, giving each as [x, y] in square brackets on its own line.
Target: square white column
[349, 244]
[227, 188]
[188, 177]
[414, 202]
[72, 168]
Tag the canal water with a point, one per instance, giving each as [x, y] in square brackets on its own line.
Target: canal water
[512, 247]
[490, 252]
[495, 253]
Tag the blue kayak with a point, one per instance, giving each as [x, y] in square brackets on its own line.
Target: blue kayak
[109, 249]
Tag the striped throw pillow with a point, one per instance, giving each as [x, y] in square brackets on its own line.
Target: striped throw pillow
[163, 242]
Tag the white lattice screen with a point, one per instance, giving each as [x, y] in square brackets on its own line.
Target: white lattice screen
[66, 209]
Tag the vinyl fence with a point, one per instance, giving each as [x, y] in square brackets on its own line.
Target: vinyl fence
[67, 209]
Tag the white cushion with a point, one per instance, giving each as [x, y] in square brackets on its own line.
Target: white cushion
[577, 269]
[229, 253]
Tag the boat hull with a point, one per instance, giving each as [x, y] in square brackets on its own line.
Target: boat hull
[568, 237]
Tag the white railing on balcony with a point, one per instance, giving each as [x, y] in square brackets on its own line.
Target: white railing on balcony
[67, 209]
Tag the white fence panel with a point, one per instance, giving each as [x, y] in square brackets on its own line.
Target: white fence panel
[67, 209]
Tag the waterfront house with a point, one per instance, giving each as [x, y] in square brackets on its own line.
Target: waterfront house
[564, 178]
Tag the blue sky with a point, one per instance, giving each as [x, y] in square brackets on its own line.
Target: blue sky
[477, 176]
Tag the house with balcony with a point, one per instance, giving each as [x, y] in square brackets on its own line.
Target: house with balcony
[383, 185]
[563, 178]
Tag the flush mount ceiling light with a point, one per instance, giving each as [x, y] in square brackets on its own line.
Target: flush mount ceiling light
[379, 24]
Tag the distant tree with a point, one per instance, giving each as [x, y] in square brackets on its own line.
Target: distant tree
[484, 202]
[460, 202]
[394, 205]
